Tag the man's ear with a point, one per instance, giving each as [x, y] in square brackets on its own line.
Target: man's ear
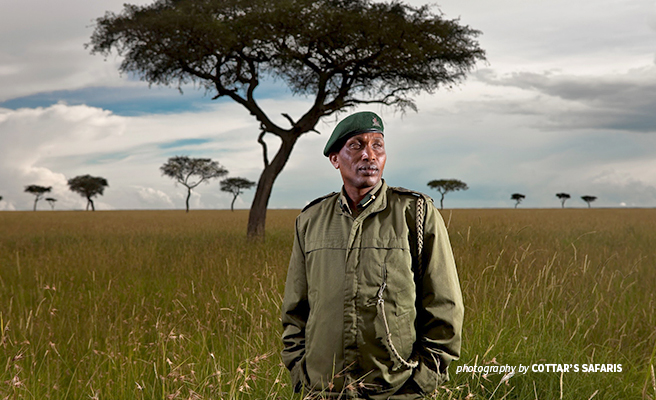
[333, 160]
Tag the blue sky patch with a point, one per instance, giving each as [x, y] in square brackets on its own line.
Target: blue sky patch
[125, 101]
[183, 143]
[138, 100]
[106, 158]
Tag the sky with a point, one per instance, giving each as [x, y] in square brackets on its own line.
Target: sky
[566, 102]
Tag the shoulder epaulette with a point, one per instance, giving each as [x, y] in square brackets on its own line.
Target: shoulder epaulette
[411, 192]
[318, 200]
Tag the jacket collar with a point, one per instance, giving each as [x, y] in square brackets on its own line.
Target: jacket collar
[376, 197]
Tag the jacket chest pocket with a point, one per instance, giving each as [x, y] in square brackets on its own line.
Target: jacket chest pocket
[325, 273]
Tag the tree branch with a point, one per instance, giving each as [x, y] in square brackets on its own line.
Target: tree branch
[291, 121]
[261, 141]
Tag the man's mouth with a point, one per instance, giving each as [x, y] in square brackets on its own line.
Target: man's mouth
[368, 170]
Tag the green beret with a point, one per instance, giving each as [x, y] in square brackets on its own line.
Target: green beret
[354, 124]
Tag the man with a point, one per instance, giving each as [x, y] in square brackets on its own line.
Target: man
[372, 305]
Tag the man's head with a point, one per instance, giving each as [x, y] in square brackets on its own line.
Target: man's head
[357, 149]
[360, 122]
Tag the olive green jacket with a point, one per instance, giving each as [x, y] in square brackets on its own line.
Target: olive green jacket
[334, 338]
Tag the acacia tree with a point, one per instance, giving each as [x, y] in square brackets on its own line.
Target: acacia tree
[191, 172]
[563, 198]
[38, 192]
[88, 186]
[51, 201]
[445, 186]
[235, 186]
[589, 199]
[336, 53]
[518, 197]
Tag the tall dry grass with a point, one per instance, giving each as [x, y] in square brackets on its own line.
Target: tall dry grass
[558, 287]
[166, 305]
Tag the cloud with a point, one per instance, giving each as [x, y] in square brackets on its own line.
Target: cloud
[47, 146]
[43, 47]
[28, 136]
[621, 186]
[154, 197]
[622, 101]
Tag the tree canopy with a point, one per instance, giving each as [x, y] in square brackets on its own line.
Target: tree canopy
[337, 53]
[88, 186]
[38, 192]
[236, 187]
[445, 186]
[191, 172]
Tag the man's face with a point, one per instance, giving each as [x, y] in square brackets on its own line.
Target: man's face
[361, 160]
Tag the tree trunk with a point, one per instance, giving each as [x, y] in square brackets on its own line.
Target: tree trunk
[188, 196]
[35, 201]
[90, 203]
[257, 215]
[232, 205]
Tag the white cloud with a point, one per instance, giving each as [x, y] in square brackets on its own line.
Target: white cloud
[27, 136]
[43, 46]
[619, 186]
[47, 146]
[574, 36]
[155, 197]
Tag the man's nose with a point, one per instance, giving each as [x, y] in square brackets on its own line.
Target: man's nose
[368, 152]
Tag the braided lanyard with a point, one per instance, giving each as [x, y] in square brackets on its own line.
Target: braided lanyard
[380, 303]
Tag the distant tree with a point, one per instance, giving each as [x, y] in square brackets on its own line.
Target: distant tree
[563, 198]
[0, 198]
[518, 197]
[191, 172]
[51, 201]
[445, 186]
[235, 186]
[339, 54]
[88, 186]
[589, 199]
[37, 191]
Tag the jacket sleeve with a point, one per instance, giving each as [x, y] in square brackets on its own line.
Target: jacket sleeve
[295, 311]
[440, 307]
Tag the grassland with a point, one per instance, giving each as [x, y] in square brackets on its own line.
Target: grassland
[168, 305]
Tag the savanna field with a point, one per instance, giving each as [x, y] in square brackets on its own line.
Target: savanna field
[169, 305]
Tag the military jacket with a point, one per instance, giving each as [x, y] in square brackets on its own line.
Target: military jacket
[335, 339]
